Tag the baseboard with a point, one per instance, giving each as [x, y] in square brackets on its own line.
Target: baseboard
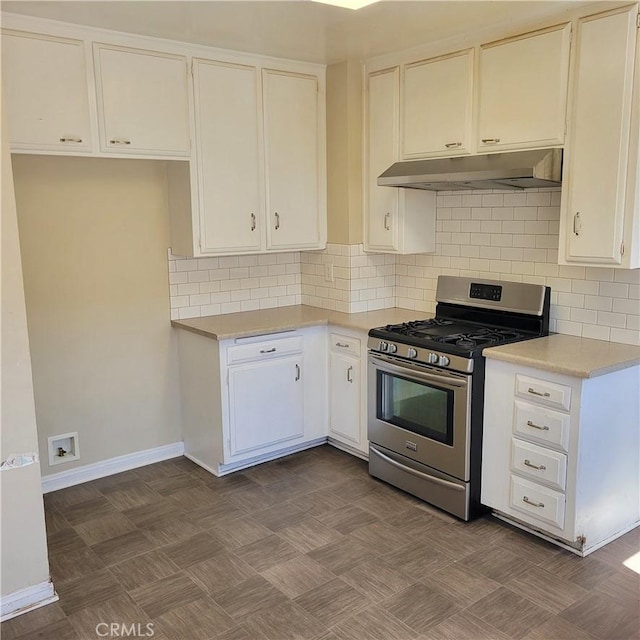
[97, 470]
[24, 600]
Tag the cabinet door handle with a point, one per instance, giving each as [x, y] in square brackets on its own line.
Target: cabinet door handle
[533, 392]
[342, 345]
[577, 224]
[537, 426]
[349, 374]
[540, 505]
[386, 221]
[453, 145]
[253, 222]
[277, 220]
[490, 140]
[268, 350]
[528, 463]
[119, 141]
[71, 139]
[297, 372]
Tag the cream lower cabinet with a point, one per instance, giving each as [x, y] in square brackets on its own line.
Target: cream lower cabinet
[395, 220]
[248, 400]
[561, 455]
[46, 93]
[600, 214]
[347, 391]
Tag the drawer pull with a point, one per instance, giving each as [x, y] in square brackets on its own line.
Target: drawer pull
[537, 426]
[268, 350]
[528, 463]
[540, 505]
[342, 345]
[119, 141]
[532, 391]
[70, 139]
[453, 145]
[490, 140]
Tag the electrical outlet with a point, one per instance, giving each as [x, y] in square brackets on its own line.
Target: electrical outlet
[328, 272]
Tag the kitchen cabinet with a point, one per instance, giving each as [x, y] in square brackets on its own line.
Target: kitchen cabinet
[228, 157]
[248, 400]
[347, 392]
[293, 155]
[258, 181]
[523, 90]
[601, 185]
[561, 453]
[437, 106]
[396, 220]
[143, 103]
[46, 93]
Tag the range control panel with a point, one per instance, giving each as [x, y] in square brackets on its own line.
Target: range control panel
[485, 291]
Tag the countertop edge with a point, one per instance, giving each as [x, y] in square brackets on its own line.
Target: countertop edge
[258, 331]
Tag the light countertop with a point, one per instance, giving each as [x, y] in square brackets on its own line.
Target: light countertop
[570, 355]
[253, 323]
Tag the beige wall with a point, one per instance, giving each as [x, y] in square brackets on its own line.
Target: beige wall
[344, 152]
[94, 238]
[23, 553]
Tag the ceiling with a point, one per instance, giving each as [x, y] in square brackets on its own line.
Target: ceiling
[298, 29]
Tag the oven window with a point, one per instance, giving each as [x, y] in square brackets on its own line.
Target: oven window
[418, 407]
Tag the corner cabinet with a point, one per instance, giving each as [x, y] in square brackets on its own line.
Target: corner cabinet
[248, 400]
[523, 90]
[258, 181]
[600, 214]
[46, 93]
[396, 220]
[553, 460]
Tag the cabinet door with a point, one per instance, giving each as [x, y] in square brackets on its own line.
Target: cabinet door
[142, 101]
[265, 404]
[344, 395]
[436, 106]
[292, 160]
[598, 146]
[523, 90]
[45, 89]
[381, 209]
[228, 157]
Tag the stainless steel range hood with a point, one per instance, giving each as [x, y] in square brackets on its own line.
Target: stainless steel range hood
[515, 170]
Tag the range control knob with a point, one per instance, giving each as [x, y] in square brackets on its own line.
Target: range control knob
[383, 346]
[392, 348]
[443, 361]
[412, 353]
[432, 358]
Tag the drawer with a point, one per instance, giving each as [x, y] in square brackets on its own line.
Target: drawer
[548, 393]
[264, 349]
[541, 425]
[541, 503]
[344, 344]
[539, 464]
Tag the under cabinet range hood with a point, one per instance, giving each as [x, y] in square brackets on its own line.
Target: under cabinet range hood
[514, 170]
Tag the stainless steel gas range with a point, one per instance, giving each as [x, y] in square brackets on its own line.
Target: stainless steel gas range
[426, 387]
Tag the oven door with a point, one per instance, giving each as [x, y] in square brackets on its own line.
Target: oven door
[420, 412]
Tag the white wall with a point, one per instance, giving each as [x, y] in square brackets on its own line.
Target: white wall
[23, 554]
[94, 237]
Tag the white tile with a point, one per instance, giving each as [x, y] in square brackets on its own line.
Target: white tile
[471, 200]
[612, 319]
[188, 289]
[630, 276]
[186, 265]
[179, 301]
[549, 213]
[238, 296]
[569, 328]
[626, 336]
[493, 200]
[189, 312]
[633, 322]
[599, 303]
[491, 226]
[589, 287]
[450, 250]
[267, 259]
[481, 213]
[461, 213]
[451, 225]
[179, 278]
[575, 273]
[614, 289]
[501, 240]
[247, 261]
[451, 201]
[544, 269]
[515, 199]
[219, 274]
[560, 313]
[490, 252]
[513, 226]
[502, 213]
[198, 276]
[588, 316]
[599, 273]
[542, 199]
[239, 272]
[535, 255]
[204, 264]
[571, 299]
[626, 305]
[596, 332]
[537, 227]
[500, 266]
[524, 241]
[200, 299]
[525, 213]
[481, 239]
[524, 268]
[470, 251]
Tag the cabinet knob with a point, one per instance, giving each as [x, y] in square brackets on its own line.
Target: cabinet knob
[490, 140]
[453, 145]
[71, 139]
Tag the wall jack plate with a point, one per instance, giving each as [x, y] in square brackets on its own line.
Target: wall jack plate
[63, 448]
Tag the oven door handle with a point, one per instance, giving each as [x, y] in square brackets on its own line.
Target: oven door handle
[420, 374]
[415, 472]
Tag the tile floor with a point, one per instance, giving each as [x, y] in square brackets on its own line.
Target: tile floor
[310, 547]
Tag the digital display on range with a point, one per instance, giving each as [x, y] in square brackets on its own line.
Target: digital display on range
[485, 291]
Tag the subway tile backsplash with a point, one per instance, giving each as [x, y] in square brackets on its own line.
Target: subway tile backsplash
[490, 234]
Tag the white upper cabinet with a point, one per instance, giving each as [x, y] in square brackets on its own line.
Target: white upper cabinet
[293, 153]
[228, 157]
[395, 220]
[45, 90]
[600, 182]
[142, 101]
[523, 89]
[437, 106]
